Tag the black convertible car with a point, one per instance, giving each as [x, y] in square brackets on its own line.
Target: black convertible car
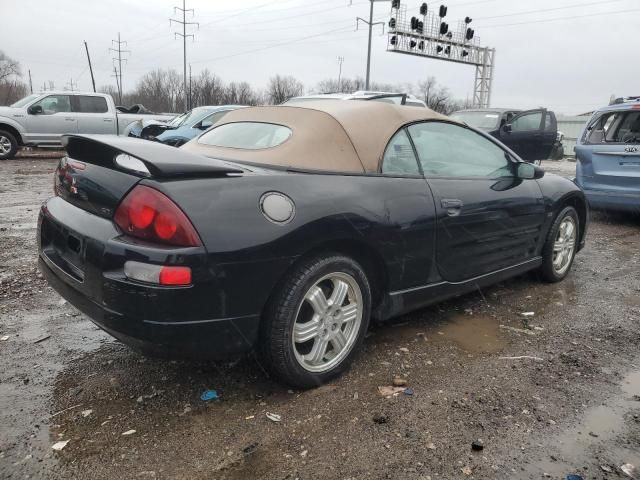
[287, 228]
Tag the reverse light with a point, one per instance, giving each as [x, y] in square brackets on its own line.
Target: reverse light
[147, 214]
[158, 274]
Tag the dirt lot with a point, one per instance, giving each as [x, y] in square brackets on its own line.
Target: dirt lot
[572, 405]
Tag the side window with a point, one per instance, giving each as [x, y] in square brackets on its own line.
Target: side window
[399, 158]
[527, 122]
[89, 104]
[54, 104]
[447, 150]
[549, 123]
[211, 119]
[629, 129]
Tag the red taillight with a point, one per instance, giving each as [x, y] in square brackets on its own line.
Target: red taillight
[175, 276]
[147, 214]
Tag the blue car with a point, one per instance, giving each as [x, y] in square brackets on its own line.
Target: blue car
[191, 124]
[608, 157]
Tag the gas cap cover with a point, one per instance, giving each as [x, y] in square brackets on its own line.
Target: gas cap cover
[277, 207]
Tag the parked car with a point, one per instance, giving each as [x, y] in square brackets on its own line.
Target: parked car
[387, 97]
[608, 157]
[532, 134]
[192, 124]
[320, 217]
[41, 119]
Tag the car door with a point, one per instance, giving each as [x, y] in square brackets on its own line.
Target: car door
[609, 157]
[92, 114]
[526, 134]
[487, 218]
[54, 119]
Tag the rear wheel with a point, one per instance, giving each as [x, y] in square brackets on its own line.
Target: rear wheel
[8, 145]
[560, 247]
[316, 321]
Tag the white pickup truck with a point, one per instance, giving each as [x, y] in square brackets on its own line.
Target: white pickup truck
[41, 119]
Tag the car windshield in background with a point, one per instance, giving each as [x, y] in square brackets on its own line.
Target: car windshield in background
[25, 100]
[478, 119]
[179, 120]
[246, 135]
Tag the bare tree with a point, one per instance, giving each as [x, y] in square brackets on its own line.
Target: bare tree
[282, 88]
[12, 88]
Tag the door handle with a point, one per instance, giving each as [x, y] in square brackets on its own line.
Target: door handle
[452, 205]
[107, 120]
[70, 119]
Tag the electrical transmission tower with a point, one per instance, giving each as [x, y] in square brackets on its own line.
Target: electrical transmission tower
[71, 84]
[184, 35]
[119, 59]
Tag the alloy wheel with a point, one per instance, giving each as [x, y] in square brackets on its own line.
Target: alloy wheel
[5, 145]
[564, 245]
[327, 322]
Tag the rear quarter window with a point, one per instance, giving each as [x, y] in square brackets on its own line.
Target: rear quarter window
[246, 135]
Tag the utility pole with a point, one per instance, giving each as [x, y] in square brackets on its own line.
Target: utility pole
[119, 50]
[30, 82]
[44, 86]
[93, 81]
[71, 84]
[190, 86]
[184, 36]
[115, 74]
[340, 60]
[370, 23]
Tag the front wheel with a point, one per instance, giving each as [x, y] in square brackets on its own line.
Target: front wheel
[560, 246]
[316, 321]
[8, 145]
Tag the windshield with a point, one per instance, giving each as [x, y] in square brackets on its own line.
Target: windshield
[484, 120]
[25, 100]
[180, 119]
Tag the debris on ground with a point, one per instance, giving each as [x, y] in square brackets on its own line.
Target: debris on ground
[431, 446]
[46, 337]
[528, 314]
[86, 413]
[521, 357]
[380, 419]
[209, 395]
[606, 468]
[404, 349]
[388, 391]
[574, 476]
[59, 445]
[128, 432]
[408, 391]
[477, 445]
[249, 449]
[628, 469]
[399, 381]
[4, 338]
[274, 417]
[517, 330]
[467, 470]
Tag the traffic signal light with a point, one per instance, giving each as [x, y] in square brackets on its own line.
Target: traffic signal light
[414, 23]
[447, 50]
[444, 28]
[439, 48]
[413, 43]
[469, 34]
[395, 4]
[423, 9]
[421, 45]
[393, 40]
[392, 23]
[420, 27]
[443, 11]
[467, 20]
[465, 53]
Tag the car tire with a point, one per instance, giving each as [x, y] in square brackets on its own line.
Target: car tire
[560, 246]
[8, 145]
[297, 328]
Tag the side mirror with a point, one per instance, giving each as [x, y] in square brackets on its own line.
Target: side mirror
[35, 110]
[507, 127]
[528, 171]
[204, 126]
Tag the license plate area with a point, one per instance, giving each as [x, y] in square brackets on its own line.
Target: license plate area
[64, 248]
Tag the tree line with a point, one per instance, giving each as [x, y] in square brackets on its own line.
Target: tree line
[162, 90]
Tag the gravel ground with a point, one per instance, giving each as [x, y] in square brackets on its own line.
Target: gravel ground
[570, 405]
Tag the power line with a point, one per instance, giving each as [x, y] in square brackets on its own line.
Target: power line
[580, 5]
[557, 19]
[184, 36]
[119, 59]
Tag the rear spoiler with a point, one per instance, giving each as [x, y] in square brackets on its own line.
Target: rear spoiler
[142, 157]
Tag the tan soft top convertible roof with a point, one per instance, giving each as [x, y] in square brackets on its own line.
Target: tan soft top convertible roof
[334, 135]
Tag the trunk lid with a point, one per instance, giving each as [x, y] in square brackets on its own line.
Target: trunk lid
[99, 170]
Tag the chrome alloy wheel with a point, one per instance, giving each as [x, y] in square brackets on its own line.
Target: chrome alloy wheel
[327, 322]
[5, 145]
[564, 245]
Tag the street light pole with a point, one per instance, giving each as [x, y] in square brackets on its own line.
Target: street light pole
[370, 23]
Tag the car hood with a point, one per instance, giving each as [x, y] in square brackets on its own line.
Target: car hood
[180, 132]
[10, 112]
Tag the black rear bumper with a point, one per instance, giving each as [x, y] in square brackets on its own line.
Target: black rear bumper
[171, 321]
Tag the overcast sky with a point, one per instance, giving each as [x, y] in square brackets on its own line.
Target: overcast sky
[569, 59]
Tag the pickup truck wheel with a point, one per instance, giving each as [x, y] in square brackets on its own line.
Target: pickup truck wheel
[560, 246]
[316, 321]
[8, 145]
